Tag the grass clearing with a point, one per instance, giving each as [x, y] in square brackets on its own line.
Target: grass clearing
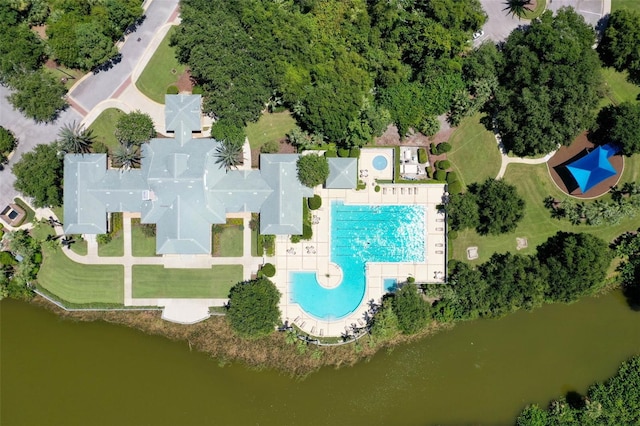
[154, 281]
[69, 75]
[474, 155]
[228, 242]
[270, 127]
[104, 127]
[541, 5]
[162, 71]
[625, 4]
[80, 284]
[141, 245]
[534, 184]
[30, 214]
[619, 89]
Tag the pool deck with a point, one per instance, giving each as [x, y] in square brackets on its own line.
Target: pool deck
[314, 255]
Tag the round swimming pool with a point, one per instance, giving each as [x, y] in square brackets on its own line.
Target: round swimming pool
[380, 162]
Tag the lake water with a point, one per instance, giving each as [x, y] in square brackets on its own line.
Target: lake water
[60, 372]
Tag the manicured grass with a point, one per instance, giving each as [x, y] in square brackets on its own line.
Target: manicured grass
[625, 4]
[141, 245]
[154, 281]
[61, 72]
[104, 127]
[30, 214]
[474, 155]
[631, 171]
[59, 212]
[619, 89]
[534, 184]
[157, 75]
[270, 127]
[537, 11]
[80, 284]
[228, 243]
[80, 247]
[114, 248]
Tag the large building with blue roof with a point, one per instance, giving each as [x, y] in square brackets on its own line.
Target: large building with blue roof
[181, 189]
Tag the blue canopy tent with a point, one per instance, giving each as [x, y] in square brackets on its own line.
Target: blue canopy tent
[593, 168]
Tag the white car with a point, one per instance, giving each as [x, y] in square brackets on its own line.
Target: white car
[478, 34]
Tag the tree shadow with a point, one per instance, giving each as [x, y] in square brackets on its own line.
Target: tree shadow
[575, 400]
[632, 294]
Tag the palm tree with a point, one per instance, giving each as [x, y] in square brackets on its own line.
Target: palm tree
[517, 7]
[229, 155]
[74, 138]
[125, 157]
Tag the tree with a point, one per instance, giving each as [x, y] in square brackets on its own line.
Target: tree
[39, 175]
[253, 308]
[548, 84]
[411, 310]
[229, 133]
[126, 157]
[135, 128]
[20, 50]
[74, 138]
[462, 211]
[618, 124]
[577, 265]
[94, 47]
[38, 95]
[313, 169]
[620, 44]
[229, 155]
[500, 208]
[517, 8]
[7, 144]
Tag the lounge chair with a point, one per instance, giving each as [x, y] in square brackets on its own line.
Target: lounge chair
[321, 332]
[313, 330]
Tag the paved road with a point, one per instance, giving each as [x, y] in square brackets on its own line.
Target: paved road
[499, 25]
[98, 87]
[29, 134]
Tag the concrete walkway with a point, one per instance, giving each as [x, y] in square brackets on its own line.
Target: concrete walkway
[506, 160]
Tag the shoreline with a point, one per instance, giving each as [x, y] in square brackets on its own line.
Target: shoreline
[215, 338]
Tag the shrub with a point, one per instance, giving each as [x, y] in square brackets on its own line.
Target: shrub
[452, 177]
[37, 258]
[197, 90]
[434, 148]
[99, 148]
[330, 153]
[270, 147]
[444, 147]
[315, 202]
[377, 188]
[116, 223]
[6, 258]
[172, 90]
[452, 235]
[454, 187]
[430, 126]
[443, 165]
[422, 155]
[411, 280]
[103, 238]
[440, 175]
[268, 270]
[307, 232]
[343, 152]
[354, 152]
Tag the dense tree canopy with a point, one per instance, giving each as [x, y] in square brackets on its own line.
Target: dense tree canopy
[620, 44]
[326, 59]
[39, 175]
[548, 83]
[38, 95]
[614, 402]
[577, 265]
[410, 309]
[135, 128]
[253, 308]
[7, 143]
[313, 169]
[20, 49]
[620, 124]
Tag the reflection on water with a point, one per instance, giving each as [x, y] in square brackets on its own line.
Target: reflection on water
[61, 372]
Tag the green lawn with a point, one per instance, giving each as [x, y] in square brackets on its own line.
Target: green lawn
[80, 247]
[162, 71]
[154, 281]
[30, 214]
[534, 184]
[618, 87]
[59, 212]
[104, 127]
[270, 127]
[625, 4]
[114, 248]
[141, 245]
[540, 7]
[474, 155]
[61, 72]
[80, 284]
[229, 242]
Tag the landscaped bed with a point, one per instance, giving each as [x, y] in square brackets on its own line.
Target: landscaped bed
[154, 281]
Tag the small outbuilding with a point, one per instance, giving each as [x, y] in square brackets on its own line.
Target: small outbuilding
[343, 173]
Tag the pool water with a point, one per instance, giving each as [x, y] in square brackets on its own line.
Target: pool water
[390, 285]
[360, 234]
[380, 162]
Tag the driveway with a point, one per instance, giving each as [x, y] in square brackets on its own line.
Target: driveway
[97, 87]
[499, 25]
[29, 134]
